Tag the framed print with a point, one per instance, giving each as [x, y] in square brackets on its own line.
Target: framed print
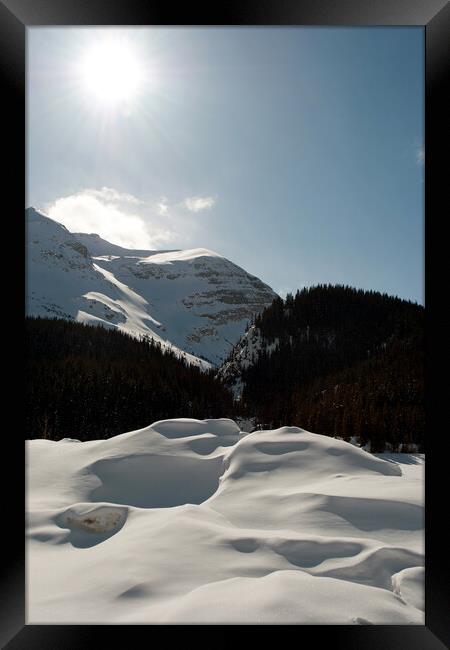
[231, 232]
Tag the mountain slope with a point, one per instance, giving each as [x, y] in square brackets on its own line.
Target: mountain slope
[338, 360]
[81, 380]
[194, 302]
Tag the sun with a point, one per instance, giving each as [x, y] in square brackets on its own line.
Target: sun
[111, 73]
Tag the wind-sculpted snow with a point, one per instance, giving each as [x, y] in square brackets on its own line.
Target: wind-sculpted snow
[189, 521]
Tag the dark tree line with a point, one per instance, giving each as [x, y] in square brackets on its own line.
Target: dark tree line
[89, 382]
[344, 362]
[347, 362]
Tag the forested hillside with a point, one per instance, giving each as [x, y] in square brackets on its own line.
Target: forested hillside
[331, 359]
[338, 361]
[89, 382]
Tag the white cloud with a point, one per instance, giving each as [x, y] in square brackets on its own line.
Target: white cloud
[128, 221]
[110, 194]
[163, 207]
[420, 155]
[197, 203]
[119, 218]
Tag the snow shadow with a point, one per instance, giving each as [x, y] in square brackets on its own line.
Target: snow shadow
[152, 481]
[376, 514]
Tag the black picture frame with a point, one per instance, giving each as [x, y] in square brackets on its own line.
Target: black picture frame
[434, 16]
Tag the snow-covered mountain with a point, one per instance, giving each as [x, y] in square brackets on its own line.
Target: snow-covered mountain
[195, 302]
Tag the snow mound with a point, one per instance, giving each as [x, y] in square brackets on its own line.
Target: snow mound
[186, 427]
[311, 454]
[409, 585]
[192, 521]
[284, 597]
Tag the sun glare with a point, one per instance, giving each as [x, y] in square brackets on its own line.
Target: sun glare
[111, 73]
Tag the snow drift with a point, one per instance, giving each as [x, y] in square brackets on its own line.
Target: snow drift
[190, 521]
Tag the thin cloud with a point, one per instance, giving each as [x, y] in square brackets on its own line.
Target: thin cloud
[198, 203]
[420, 155]
[112, 195]
[163, 207]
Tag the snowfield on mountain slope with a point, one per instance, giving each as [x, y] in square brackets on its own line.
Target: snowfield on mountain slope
[193, 302]
[190, 521]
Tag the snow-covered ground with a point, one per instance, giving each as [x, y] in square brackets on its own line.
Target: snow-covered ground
[190, 521]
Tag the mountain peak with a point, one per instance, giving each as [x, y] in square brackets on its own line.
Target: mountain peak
[46, 225]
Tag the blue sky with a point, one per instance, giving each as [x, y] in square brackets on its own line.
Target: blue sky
[295, 152]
